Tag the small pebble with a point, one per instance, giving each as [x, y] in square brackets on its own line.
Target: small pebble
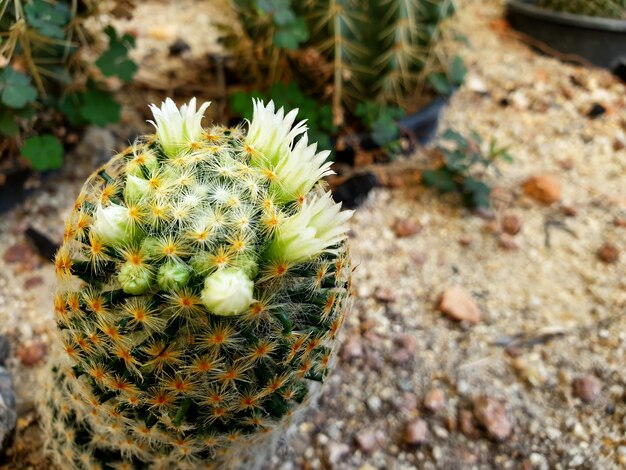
[588, 388]
[491, 413]
[32, 353]
[512, 224]
[459, 305]
[543, 188]
[435, 400]
[466, 423]
[406, 227]
[416, 432]
[608, 253]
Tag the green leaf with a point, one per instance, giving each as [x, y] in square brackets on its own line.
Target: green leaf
[457, 71]
[279, 9]
[16, 89]
[440, 83]
[114, 62]
[476, 193]
[43, 152]
[8, 126]
[441, 179]
[289, 36]
[49, 19]
[99, 107]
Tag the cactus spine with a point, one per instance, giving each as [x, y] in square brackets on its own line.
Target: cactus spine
[378, 49]
[203, 278]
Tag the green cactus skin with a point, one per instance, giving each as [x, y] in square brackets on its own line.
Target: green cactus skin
[601, 8]
[149, 377]
[381, 49]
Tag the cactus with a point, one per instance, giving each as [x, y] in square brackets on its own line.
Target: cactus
[379, 49]
[602, 8]
[203, 278]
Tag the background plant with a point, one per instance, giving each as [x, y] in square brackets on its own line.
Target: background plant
[48, 79]
[342, 51]
[602, 8]
[463, 165]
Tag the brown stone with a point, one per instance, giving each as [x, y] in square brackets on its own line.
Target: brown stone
[33, 281]
[459, 305]
[608, 253]
[465, 240]
[435, 400]
[543, 188]
[385, 294]
[32, 353]
[507, 243]
[491, 413]
[570, 211]
[19, 252]
[466, 423]
[352, 348]
[416, 432]
[406, 227]
[367, 440]
[587, 388]
[512, 224]
[620, 222]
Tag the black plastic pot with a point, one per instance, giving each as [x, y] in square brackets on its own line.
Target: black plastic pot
[601, 41]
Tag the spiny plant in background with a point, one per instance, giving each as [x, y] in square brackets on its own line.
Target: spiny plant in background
[347, 50]
[203, 279]
[47, 81]
[463, 165]
[601, 8]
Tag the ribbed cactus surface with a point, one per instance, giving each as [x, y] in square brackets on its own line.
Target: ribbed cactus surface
[203, 279]
[601, 8]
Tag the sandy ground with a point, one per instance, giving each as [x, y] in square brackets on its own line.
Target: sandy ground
[539, 382]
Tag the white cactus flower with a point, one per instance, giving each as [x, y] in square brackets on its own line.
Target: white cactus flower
[318, 226]
[270, 134]
[299, 170]
[176, 128]
[228, 292]
[113, 225]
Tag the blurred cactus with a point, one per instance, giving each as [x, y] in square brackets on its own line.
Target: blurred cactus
[381, 50]
[47, 80]
[601, 8]
[203, 279]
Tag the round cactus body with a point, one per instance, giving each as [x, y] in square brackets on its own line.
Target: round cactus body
[203, 278]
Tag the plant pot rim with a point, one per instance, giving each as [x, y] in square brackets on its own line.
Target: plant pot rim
[530, 8]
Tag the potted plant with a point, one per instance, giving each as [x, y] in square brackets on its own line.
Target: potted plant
[594, 30]
[361, 70]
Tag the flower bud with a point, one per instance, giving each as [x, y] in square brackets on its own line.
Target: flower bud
[228, 292]
[136, 188]
[135, 279]
[113, 225]
[145, 159]
[173, 275]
